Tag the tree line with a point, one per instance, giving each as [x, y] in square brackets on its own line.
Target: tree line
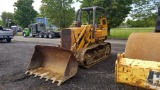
[145, 22]
[143, 13]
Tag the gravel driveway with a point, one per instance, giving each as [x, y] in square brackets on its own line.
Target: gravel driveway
[15, 57]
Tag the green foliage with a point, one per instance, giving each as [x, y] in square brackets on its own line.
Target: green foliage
[144, 22]
[59, 12]
[5, 17]
[144, 8]
[116, 10]
[24, 12]
[0, 22]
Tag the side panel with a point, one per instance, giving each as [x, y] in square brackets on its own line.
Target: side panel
[102, 29]
[139, 73]
[76, 37]
[100, 33]
[104, 33]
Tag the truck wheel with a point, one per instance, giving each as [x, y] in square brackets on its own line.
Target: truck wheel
[51, 35]
[57, 35]
[31, 35]
[24, 35]
[45, 35]
[41, 35]
[8, 40]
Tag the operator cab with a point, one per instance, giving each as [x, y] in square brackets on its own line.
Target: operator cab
[94, 16]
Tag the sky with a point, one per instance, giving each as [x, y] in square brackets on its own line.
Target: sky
[7, 5]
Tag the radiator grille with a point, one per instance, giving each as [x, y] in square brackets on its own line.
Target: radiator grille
[66, 39]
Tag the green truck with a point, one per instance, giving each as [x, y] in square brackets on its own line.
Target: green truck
[38, 29]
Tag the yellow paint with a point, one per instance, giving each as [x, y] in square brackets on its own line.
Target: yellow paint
[81, 37]
[136, 72]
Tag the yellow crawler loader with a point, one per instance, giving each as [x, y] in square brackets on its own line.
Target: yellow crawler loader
[81, 44]
[139, 66]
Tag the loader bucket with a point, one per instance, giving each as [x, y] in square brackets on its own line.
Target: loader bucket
[53, 63]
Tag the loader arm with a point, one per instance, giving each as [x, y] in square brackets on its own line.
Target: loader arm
[83, 40]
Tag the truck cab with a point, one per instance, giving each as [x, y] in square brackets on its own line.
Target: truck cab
[36, 29]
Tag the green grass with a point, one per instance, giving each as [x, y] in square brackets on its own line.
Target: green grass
[123, 33]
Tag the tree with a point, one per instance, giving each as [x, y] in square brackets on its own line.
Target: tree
[116, 10]
[144, 8]
[59, 12]
[144, 22]
[24, 12]
[0, 22]
[6, 16]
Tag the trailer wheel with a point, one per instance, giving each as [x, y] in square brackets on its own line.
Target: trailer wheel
[8, 40]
